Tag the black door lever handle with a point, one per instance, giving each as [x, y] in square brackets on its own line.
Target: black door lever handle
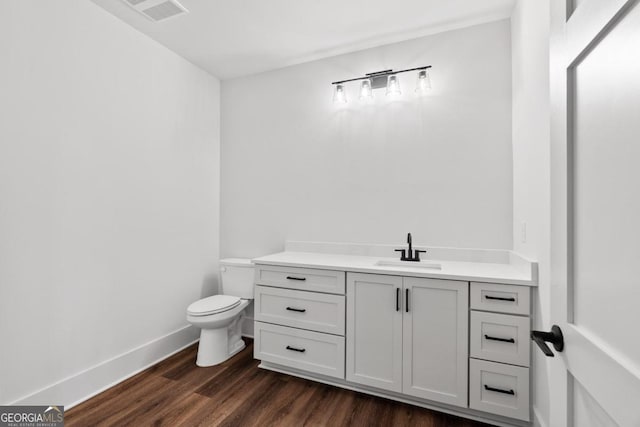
[554, 337]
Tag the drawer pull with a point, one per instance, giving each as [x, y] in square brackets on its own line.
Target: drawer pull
[512, 299]
[499, 390]
[488, 337]
[299, 310]
[299, 350]
[397, 299]
[296, 278]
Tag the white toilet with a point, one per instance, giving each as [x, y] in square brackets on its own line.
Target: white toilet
[220, 316]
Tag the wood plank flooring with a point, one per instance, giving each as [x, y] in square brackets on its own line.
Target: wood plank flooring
[176, 392]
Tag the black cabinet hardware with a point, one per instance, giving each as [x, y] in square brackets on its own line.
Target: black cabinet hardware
[512, 299]
[499, 390]
[554, 337]
[296, 278]
[488, 337]
[299, 350]
[299, 310]
[397, 299]
[406, 300]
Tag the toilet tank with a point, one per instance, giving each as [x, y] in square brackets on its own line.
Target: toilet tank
[236, 277]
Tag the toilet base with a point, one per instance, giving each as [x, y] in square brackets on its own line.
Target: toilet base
[218, 345]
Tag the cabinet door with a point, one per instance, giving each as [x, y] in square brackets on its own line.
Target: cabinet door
[374, 330]
[435, 342]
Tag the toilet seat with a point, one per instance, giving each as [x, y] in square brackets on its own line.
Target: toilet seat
[213, 305]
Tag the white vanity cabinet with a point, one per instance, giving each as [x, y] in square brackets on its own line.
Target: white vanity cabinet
[500, 349]
[299, 315]
[450, 343]
[435, 340]
[408, 335]
[374, 330]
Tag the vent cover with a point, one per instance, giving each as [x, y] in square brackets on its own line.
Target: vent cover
[157, 10]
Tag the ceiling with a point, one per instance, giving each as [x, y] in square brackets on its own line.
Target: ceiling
[231, 38]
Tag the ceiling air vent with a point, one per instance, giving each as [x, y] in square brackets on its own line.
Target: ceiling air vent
[157, 10]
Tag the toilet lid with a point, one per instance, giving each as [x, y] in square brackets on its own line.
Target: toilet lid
[213, 305]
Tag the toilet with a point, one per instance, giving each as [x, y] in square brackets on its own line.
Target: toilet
[220, 316]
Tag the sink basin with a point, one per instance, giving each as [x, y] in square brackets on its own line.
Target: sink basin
[409, 264]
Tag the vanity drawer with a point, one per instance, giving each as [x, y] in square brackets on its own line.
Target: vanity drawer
[305, 279]
[500, 337]
[300, 309]
[499, 389]
[300, 349]
[510, 299]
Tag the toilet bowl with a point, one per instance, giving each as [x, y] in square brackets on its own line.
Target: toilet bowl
[220, 316]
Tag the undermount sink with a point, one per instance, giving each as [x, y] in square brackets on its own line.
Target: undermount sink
[409, 264]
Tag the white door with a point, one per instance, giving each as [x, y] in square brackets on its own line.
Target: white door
[435, 339]
[374, 330]
[595, 212]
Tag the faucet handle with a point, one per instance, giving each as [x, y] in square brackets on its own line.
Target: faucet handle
[417, 252]
[403, 256]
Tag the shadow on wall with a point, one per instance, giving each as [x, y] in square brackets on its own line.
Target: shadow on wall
[209, 285]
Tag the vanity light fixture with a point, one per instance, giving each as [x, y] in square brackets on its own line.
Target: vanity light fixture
[339, 96]
[393, 85]
[386, 78]
[423, 84]
[366, 92]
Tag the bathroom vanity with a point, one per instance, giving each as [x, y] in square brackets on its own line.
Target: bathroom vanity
[449, 333]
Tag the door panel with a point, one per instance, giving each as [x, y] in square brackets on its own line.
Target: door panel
[586, 411]
[595, 202]
[606, 187]
[374, 331]
[436, 340]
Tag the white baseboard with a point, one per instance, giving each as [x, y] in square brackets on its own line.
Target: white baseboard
[79, 387]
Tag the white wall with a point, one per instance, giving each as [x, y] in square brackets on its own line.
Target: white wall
[109, 194]
[530, 25]
[296, 166]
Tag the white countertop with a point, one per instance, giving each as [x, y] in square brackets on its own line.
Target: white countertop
[516, 272]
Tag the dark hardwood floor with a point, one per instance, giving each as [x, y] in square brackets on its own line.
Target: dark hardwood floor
[176, 392]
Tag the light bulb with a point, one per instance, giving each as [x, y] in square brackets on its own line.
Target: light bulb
[423, 84]
[339, 95]
[365, 90]
[393, 86]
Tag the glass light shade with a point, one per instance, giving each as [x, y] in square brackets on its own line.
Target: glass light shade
[365, 90]
[339, 95]
[393, 85]
[423, 84]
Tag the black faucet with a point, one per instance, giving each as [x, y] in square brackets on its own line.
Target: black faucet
[412, 255]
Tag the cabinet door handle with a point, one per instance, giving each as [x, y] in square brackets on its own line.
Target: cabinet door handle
[299, 350]
[488, 337]
[500, 390]
[406, 300]
[512, 299]
[296, 278]
[397, 299]
[299, 310]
